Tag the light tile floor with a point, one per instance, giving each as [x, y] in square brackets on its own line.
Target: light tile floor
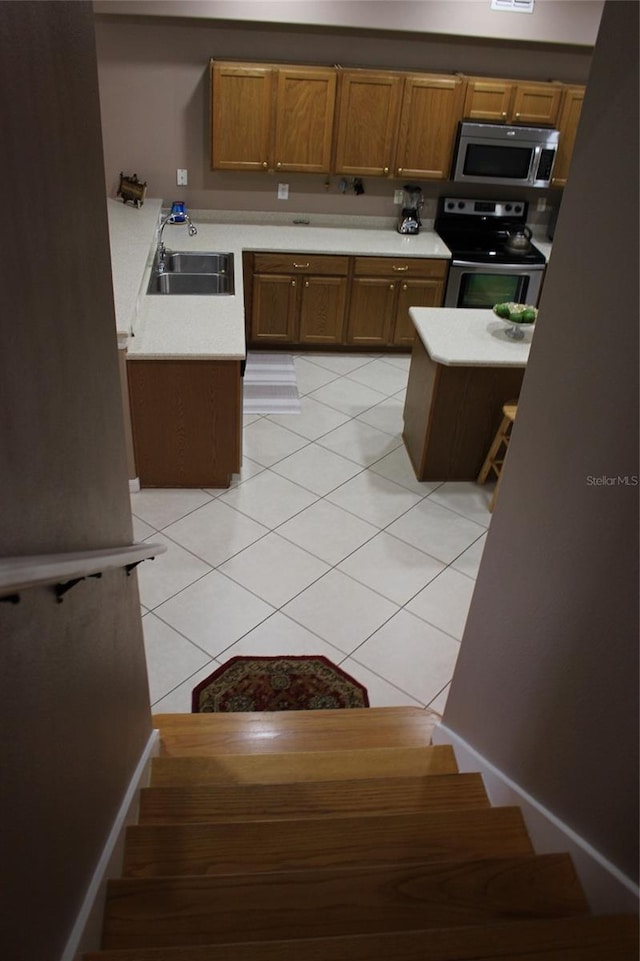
[325, 544]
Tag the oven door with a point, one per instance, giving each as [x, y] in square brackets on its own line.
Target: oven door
[484, 285]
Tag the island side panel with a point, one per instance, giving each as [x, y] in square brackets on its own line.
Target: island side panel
[418, 406]
[186, 421]
[451, 415]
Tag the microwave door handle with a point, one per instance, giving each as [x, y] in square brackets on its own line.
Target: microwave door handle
[536, 153]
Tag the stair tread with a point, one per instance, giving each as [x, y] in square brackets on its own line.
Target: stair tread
[612, 938]
[147, 912]
[345, 764]
[227, 802]
[258, 846]
[266, 731]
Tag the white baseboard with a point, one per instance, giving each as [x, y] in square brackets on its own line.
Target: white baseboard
[87, 930]
[134, 485]
[608, 890]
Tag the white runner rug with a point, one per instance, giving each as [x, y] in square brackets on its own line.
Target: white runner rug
[269, 385]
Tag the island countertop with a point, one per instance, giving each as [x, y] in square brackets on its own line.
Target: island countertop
[469, 338]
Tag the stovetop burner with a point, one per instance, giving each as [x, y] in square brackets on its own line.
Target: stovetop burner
[477, 230]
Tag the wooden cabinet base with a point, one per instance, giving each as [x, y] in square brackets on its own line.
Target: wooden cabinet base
[187, 421]
[451, 415]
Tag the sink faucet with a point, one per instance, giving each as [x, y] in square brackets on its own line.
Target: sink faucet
[177, 215]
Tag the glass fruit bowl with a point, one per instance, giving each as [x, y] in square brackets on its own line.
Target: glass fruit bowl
[517, 316]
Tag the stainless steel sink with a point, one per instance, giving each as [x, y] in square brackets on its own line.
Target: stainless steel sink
[192, 272]
[197, 262]
[178, 283]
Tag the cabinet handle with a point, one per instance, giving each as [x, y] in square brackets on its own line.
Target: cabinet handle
[385, 170]
[400, 269]
[306, 283]
[278, 165]
[293, 283]
[301, 266]
[265, 164]
[399, 170]
[504, 113]
[392, 286]
[517, 115]
[405, 286]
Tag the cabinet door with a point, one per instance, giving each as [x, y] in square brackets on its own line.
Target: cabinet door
[414, 293]
[371, 312]
[322, 306]
[241, 99]
[431, 109]
[274, 308]
[304, 119]
[568, 126]
[368, 112]
[487, 100]
[536, 103]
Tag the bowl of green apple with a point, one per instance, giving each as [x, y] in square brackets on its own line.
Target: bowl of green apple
[517, 316]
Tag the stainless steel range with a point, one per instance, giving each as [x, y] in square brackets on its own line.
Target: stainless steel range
[493, 259]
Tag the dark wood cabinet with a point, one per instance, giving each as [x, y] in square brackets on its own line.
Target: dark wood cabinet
[431, 109]
[367, 122]
[186, 420]
[568, 126]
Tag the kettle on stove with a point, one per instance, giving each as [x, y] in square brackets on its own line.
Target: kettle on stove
[519, 240]
[412, 202]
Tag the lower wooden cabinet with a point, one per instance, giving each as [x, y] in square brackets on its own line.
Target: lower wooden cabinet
[380, 302]
[309, 300]
[186, 418]
[298, 299]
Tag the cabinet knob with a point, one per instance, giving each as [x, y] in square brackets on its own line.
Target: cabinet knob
[278, 165]
[392, 286]
[399, 170]
[385, 170]
[265, 164]
[405, 286]
[293, 283]
[517, 115]
[400, 269]
[504, 113]
[306, 283]
[301, 266]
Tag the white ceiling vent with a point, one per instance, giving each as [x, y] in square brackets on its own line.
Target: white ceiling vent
[513, 6]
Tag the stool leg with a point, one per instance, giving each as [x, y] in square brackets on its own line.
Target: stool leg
[493, 450]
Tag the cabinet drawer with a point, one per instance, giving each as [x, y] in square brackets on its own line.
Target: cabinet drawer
[300, 264]
[399, 267]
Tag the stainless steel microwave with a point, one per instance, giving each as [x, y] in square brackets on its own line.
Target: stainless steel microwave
[492, 153]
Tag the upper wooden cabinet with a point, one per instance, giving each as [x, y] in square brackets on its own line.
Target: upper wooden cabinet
[397, 125]
[512, 101]
[270, 117]
[431, 109]
[368, 114]
[568, 127]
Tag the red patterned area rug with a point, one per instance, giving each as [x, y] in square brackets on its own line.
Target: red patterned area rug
[305, 683]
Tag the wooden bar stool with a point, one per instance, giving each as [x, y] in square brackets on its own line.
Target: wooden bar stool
[494, 460]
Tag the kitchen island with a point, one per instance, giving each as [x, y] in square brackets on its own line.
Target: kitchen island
[463, 368]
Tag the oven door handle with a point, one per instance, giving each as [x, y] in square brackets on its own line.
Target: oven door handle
[498, 268]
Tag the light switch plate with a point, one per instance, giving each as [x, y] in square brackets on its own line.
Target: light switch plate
[283, 191]
[398, 196]
[181, 177]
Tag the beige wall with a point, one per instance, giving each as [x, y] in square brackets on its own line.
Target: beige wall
[73, 687]
[546, 686]
[552, 21]
[154, 92]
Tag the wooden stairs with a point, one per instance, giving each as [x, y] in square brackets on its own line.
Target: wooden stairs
[337, 836]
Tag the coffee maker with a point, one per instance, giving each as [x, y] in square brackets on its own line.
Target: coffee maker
[412, 202]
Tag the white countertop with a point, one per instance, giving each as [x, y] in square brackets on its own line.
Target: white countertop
[459, 337]
[155, 326]
[212, 327]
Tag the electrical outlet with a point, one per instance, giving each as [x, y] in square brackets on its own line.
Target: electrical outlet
[283, 191]
[181, 177]
[541, 203]
[398, 196]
